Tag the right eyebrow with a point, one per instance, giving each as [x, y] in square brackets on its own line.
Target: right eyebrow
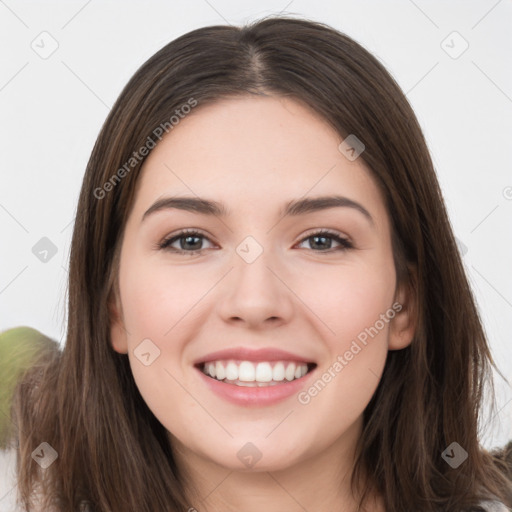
[191, 204]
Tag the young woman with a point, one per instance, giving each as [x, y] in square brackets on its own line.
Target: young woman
[267, 308]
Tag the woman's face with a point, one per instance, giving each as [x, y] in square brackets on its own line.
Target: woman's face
[255, 295]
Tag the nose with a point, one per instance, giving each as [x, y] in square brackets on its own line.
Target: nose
[256, 294]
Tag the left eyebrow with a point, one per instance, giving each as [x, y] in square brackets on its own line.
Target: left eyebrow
[292, 208]
[314, 204]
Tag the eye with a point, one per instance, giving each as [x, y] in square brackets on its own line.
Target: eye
[190, 242]
[188, 239]
[323, 240]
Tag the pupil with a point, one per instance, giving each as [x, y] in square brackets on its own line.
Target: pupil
[324, 238]
[190, 237]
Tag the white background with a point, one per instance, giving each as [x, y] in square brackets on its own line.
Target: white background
[52, 110]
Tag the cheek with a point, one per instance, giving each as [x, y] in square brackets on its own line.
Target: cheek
[158, 306]
[152, 307]
[357, 307]
[351, 298]
[154, 299]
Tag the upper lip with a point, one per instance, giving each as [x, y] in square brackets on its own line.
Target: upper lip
[251, 354]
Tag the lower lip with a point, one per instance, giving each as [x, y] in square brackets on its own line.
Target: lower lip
[255, 396]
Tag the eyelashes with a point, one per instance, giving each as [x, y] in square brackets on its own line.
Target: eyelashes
[194, 237]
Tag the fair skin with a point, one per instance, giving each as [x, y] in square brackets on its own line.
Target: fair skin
[301, 294]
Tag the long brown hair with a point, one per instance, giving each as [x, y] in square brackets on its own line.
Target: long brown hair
[112, 451]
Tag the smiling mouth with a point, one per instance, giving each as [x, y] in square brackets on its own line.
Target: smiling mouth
[255, 374]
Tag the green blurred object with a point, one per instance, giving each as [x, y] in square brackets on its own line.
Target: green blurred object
[19, 348]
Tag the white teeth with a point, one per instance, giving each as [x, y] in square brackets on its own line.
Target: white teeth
[278, 372]
[247, 373]
[290, 372]
[220, 372]
[232, 371]
[263, 372]
[246, 384]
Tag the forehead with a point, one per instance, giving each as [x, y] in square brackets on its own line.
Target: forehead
[252, 152]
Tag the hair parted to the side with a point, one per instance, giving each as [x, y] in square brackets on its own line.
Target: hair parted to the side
[112, 451]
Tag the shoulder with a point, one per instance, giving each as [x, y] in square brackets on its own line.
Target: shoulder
[493, 506]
